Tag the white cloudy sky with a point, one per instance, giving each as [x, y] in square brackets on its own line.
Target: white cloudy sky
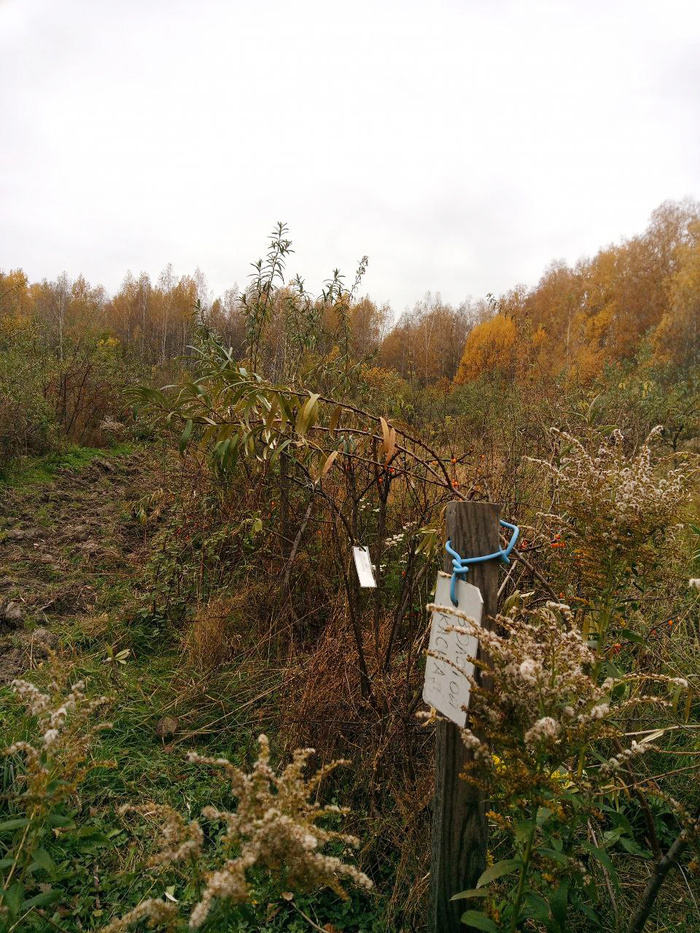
[461, 144]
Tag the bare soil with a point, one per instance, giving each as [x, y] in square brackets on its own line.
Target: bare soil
[61, 543]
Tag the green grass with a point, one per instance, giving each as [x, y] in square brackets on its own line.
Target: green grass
[219, 716]
[101, 865]
[33, 471]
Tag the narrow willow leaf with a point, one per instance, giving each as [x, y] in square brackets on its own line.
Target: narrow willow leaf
[272, 413]
[10, 826]
[602, 857]
[186, 434]
[498, 870]
[306, 415]
[329, 462]
[385, 433]
[480, 921]
[335, 419]
[392, 445]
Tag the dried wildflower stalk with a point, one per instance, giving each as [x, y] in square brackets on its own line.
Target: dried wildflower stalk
[64, 739]
[546, 706]
[537, 739]
[275, 825]
[615, 504]
[56, 761]
[619, 513]
[155, 912]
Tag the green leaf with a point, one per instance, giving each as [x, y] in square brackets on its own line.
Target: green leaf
[472, 892]
[591, 914]
[555, 856]
[601, 856]
[543, 814]
[479, 921]
[523, 830]
[536, 907]
[618, 818]
[629, 845]
[559, 901]
[515, 599]
[186, 434]
[92, 832]
[631, 636]
[42, 859]
[498, 870]
[280, 449]
[9, 826]
[57, 819]
[221, 449]
[13, 898]
[42, 900]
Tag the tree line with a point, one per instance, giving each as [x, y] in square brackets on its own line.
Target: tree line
[641, 296]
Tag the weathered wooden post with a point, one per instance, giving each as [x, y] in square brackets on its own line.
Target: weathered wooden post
[459, 820]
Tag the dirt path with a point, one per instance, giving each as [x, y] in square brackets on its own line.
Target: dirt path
[62, 542]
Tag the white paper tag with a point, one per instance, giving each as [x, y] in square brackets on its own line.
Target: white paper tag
[363, 565]
[446, 688]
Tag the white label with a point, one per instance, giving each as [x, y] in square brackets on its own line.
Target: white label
[446, 688]
[363, 565]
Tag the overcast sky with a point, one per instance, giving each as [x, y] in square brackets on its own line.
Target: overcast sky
[461, 144]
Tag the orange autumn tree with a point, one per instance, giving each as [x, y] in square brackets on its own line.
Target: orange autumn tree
[642, 292]
[426, 343]
[677, 337]
[490, 346]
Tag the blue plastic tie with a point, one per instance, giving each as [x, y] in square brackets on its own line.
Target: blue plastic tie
[460, 565]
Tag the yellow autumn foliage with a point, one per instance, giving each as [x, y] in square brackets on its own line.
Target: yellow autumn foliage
[490, 346]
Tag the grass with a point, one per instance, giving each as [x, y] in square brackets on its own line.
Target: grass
[101, 866]
[33, 471]
[219, 717]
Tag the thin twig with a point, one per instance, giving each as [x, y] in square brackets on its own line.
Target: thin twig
[308, 919]
[523, 560]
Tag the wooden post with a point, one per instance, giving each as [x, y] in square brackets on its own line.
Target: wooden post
[459, 820]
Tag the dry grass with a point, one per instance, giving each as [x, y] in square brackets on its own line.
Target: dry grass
[215, 635]
[392, 774]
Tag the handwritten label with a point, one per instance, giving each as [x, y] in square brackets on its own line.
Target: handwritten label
[446, 688]
[363, 565]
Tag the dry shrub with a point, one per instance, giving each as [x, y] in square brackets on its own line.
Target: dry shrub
[215, 634]
[392, 765]
[323, 695]
[325, 707]
[25, 428]
[83, 391]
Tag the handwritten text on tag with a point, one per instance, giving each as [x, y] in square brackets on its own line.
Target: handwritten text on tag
[446, 688]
